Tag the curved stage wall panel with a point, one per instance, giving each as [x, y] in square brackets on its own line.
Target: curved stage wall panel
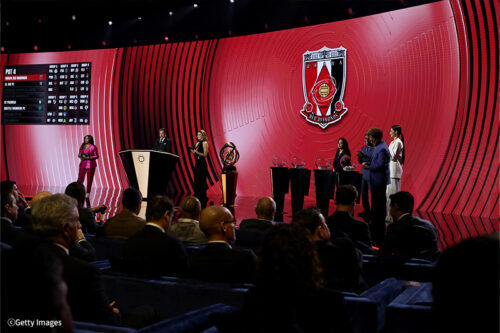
[433, 69]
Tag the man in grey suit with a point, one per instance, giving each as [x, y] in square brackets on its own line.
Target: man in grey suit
[187, 227]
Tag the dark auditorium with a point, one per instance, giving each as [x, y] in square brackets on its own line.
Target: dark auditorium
[217, 166]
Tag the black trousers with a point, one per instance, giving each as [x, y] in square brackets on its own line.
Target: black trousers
[379, 211]
[365, 187]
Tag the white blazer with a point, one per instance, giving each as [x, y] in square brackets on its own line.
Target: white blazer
[396, 150]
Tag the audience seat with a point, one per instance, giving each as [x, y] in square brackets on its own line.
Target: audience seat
[170, 296]
[85, 327]
[411, 311]
[194, 321]
[367, 310]
[106, 248]
[248, 239]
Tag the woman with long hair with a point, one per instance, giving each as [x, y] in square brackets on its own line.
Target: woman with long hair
[289, 293]
[342, 156]
[397, 151]
[200, 171]
[341, 160]
[88, 155]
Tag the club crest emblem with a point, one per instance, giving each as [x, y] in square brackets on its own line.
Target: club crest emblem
[323, 81]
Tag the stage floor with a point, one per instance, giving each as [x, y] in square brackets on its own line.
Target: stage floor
[451, 228]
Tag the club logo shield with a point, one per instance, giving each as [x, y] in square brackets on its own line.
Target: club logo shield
[323, 81]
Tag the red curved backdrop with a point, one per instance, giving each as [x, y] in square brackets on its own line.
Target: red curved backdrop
[433, 69]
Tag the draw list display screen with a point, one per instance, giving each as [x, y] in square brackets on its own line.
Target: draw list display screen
[57, 94]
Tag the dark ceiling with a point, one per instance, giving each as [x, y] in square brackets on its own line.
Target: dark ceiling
[55, 25]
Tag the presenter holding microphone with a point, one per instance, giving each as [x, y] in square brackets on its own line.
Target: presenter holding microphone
[88, 156]
[200, 152]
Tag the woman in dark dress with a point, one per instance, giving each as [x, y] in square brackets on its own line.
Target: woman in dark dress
[342, 156]
[200, 152]
[342, 159]
[289, 293]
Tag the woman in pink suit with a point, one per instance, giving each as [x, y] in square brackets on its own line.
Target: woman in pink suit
[88, 154]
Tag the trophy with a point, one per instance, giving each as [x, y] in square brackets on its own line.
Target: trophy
[229, 155]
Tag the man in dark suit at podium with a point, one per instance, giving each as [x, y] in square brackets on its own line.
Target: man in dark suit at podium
[163, 143]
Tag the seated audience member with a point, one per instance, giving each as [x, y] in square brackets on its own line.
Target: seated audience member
[76, 190]
[23, 218]
[342, 223]
[187, 227]
[82, 249]
[288, 295]
[265, 210]
[33, 289]
[55, 219]
[126, 223]
[8, 232]
[152, 251]
[218, 261]
[466, 286]
[409, 236]
[341, 261]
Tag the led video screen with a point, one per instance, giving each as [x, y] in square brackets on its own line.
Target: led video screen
[46, 94]
[291, 93]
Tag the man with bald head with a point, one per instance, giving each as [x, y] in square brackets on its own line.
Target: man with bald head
[187, 228]
[265, 210]
[218, 261]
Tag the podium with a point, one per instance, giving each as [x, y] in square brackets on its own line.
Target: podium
[280, 186]
[352, 178]
[324, 188]
[229, 180]
[299, 186]
[148, 170]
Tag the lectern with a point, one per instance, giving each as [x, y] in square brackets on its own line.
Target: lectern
[299, 186]
[280, 186]
[149, 171]
[324, 185]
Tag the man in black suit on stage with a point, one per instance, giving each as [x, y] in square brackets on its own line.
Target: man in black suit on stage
[409, 236]
[342, 224]
[265, 210]
[151, 250]
[163, 143]
[55, 219]
[218, 261]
